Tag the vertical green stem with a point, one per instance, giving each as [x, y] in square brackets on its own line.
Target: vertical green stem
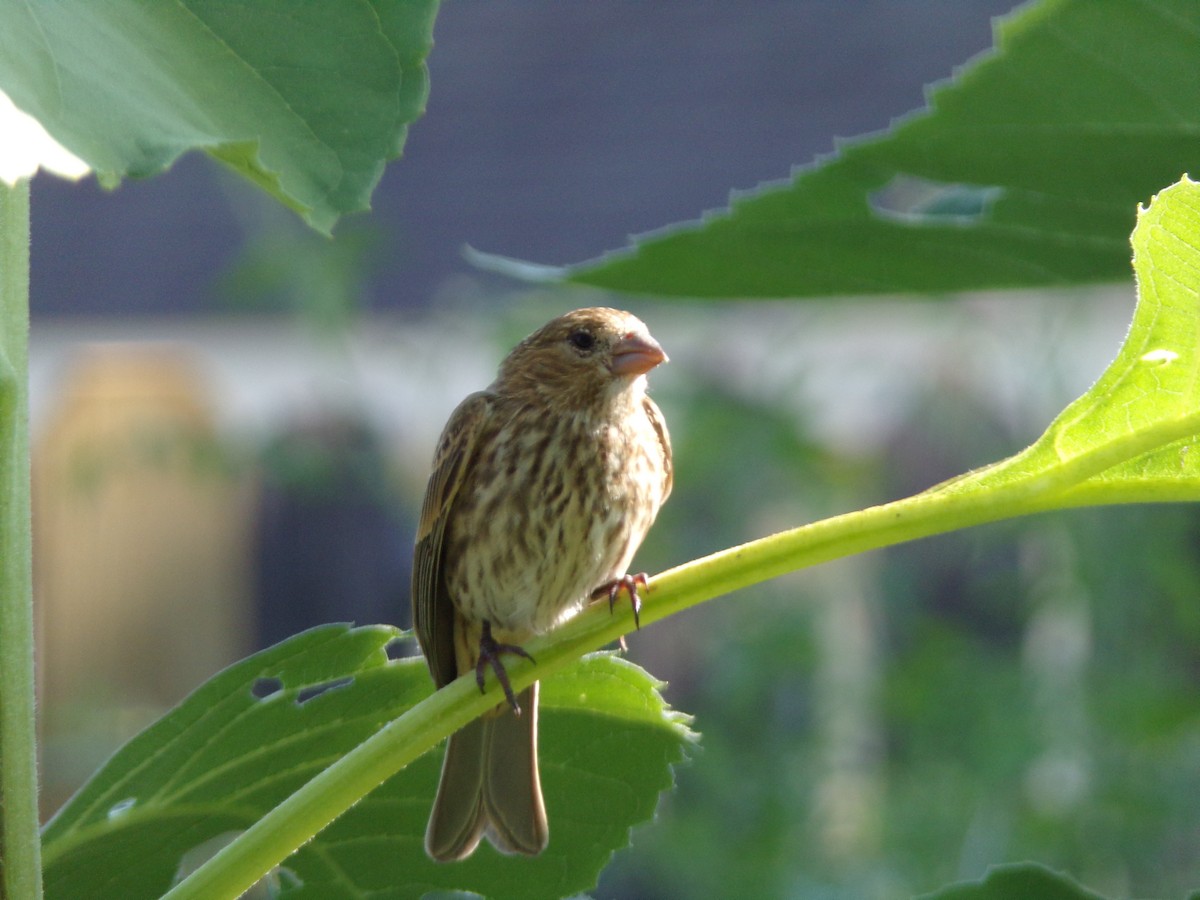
[20, 849]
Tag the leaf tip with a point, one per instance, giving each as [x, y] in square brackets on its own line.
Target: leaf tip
[513, 268]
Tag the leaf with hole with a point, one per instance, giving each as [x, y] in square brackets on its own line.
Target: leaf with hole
[1024, 171]
[254, 733]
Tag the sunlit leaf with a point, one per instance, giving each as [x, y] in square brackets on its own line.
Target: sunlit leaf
[26, 148]
[1132, 435]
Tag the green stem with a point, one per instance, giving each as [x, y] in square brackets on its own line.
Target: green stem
[20, 847]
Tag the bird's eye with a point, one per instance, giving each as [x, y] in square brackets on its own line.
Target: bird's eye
[581, 340]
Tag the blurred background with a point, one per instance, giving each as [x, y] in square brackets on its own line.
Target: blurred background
[233, 421]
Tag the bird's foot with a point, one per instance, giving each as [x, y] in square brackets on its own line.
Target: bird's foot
[613, 588]
[490, 651]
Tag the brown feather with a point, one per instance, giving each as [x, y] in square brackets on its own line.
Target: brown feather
[433, 610]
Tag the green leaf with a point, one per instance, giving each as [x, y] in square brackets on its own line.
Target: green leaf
[307, 100]
[1024, 171]
[1029, 881]
[256, 732]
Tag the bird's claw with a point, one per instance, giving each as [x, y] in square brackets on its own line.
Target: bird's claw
[612, 589]
[490, 651]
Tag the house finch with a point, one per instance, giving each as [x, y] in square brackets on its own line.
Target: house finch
[543, 486]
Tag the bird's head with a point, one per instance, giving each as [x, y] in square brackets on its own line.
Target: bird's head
[583, 357]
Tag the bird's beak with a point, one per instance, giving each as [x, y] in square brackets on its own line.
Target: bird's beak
[636, 354]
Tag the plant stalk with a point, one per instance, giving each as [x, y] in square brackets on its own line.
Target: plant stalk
[20, 847]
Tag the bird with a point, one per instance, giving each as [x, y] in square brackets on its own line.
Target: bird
[543, 486]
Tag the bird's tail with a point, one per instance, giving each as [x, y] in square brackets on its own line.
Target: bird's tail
[490, 784]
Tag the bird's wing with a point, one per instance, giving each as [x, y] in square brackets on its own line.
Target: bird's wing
[433, 610]
[659, 424]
